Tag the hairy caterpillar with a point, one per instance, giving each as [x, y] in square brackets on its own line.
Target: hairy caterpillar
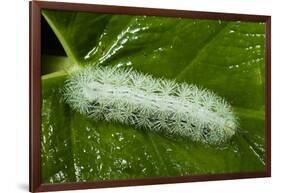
[128, 97]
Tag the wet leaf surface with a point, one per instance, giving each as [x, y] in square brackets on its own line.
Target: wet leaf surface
[225, 57]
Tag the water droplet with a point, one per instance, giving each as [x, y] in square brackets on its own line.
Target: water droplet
[123, 162]
[129, 63]
[169, 150]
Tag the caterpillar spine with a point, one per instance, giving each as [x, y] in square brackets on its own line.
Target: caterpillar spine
[131, 98]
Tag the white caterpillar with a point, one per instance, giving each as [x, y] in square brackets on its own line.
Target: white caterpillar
[128, 97]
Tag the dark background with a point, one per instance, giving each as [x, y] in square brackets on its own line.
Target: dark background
[50, 44]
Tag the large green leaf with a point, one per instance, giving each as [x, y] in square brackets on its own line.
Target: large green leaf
[226, 57]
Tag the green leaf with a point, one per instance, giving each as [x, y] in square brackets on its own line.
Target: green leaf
[52, 64]
[225, 57]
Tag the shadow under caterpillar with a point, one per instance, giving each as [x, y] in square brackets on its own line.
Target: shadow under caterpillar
[129, 97]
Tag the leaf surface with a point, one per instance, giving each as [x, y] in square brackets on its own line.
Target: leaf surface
[225, 57]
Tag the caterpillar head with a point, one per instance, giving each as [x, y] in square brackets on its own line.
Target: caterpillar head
[230, 128]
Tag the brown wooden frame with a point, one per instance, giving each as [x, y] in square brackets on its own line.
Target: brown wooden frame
[35, 7]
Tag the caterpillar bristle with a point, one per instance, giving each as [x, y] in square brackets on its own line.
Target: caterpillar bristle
[126, 96]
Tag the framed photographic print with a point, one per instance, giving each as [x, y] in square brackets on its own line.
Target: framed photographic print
[123, 96]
